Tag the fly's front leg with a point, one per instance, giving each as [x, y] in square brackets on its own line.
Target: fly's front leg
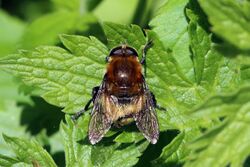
[107, 59]
[155, 103]
[144, 52]
[79, 113]
[94, 92]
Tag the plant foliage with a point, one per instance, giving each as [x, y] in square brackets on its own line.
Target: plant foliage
[198, 68]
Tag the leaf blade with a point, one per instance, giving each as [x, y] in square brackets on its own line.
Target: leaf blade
[25, 150]
[229, 13]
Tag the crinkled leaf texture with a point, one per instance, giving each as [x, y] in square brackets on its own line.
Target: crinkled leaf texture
[230, 17]
[184, 68]
[7, 161]
[27, 152]
[171, 26]
[66, 77]
[79, 152]
[228, 142]
[212, 73]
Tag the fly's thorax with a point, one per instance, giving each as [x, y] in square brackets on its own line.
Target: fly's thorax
[124, 74]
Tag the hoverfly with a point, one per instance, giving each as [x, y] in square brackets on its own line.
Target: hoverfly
[122, 95]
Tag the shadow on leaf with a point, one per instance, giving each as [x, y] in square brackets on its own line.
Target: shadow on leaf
[40, 115]
[59, 158]
[154, 151]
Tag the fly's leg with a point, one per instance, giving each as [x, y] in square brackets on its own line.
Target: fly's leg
[79, 113]
[155, 103]
[160, 107]
[144, 52]
[94, 92]
[107, 59]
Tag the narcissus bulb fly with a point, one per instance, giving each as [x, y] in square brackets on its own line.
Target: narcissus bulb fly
[123, 95]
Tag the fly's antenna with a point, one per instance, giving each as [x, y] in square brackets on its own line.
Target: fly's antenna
[144, 53]
[124, 45]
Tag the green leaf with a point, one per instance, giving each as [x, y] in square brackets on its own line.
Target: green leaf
[76, 153]
[170, 12]
[29, 152]
[10, 123]
[229, 20]
[82, 6]
[176, 152]
[129, 137]
[217, 147]
[201, 48]
[7, 161]
[121, 11]
[21, 164]
[79, 152]
[213, 72]
[222, 104]
[11, 31]
[10, 112]
[245, 68]
[170, 25]
[46, 29]
[67, 79]
[19, 116]
[9, 91]
[118, 34]
[125, 157]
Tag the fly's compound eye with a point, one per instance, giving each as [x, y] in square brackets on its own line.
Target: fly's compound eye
[116, 52]
[123, 51]
[131, 51]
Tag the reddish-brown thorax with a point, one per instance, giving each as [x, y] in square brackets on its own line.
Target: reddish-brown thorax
[124, 76]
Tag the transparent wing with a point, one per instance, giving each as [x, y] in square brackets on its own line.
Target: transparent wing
[146, 119]
[99, 123]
